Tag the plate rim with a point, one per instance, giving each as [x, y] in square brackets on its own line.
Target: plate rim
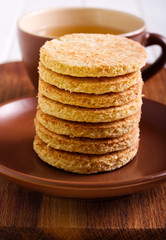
[8, 172]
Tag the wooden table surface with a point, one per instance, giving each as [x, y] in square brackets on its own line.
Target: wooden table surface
[25, 214]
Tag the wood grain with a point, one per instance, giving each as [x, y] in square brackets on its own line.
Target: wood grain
[25, 214]
[14, 82]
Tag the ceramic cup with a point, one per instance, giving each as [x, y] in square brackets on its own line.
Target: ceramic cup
[132, 26]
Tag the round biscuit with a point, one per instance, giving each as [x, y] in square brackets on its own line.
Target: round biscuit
[93, 55]
[86, 145]
[90, 100]
[89, 130]
[88, 84]
[80, 114]
[83, 163]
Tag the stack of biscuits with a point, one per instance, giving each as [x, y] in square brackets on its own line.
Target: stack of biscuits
[89, 102]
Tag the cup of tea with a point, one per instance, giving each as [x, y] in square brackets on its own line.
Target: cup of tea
[39, 26]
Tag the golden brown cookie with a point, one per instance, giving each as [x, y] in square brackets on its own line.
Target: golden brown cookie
[83, 163]
[89, 84]
[93, 55]
[90, 100]
[80, 114]
[86, 145]
[90, 130]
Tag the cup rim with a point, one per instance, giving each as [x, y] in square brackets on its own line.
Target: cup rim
[43, 10]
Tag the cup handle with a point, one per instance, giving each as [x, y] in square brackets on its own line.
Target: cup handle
[155, 39]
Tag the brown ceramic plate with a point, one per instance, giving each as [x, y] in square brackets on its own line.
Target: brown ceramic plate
[20, 164]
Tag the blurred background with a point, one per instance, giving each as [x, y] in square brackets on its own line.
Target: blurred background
[152, 11]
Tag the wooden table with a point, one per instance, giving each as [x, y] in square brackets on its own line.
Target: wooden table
[25, 214]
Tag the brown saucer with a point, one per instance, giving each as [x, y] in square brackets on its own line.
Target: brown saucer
[20, 164]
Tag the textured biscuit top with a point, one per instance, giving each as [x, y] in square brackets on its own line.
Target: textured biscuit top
[93, 55]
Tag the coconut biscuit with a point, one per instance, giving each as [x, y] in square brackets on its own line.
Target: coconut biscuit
[90, 100]
[83, 163]
[80, 114]
[86, 145]
[90, 85]
[88, 130]
[93, 55]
